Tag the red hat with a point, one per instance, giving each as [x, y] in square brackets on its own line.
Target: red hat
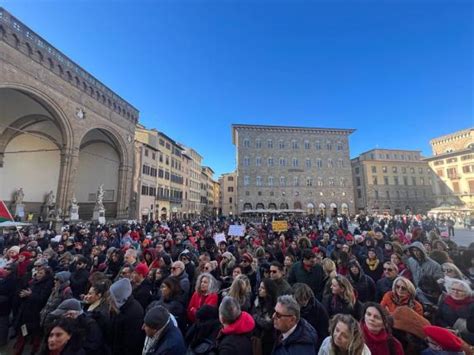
[446, 339]
[142, 269]
[349, 237]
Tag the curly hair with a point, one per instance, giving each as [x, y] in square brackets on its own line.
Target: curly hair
[356, 343]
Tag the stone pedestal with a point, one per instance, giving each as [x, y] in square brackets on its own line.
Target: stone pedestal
[99, 215]
[19, 210]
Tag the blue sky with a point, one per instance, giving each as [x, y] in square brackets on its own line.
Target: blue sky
[400, 72]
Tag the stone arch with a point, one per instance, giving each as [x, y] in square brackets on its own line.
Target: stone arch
[310, 208]
[49, 112]
[283, 206]
[322, 208]
[272, 206]
[333, 209]
[260, 206]
[297, 205]
[344, 208]
[247, 206]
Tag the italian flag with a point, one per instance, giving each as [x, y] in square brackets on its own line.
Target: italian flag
[5, 214]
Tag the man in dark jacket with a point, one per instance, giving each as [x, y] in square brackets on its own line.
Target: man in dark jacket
[296, 335]
[127, 334]
[237, 326]
[80, 277]
[309, 272]
[162, 336]
[277, 275]
[141, 285]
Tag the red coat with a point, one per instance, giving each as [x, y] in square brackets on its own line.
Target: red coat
[197, 301]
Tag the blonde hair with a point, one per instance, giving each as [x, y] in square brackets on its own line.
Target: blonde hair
[329, 266]
[348, 293]
[459, 274]
[356, 343]
[240, 289]
[407, 283]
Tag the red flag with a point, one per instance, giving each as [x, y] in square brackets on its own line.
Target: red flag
[5, 214]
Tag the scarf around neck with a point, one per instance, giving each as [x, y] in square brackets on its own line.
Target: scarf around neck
[457, 304]
[373, 264]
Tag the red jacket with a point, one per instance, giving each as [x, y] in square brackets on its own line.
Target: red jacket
[197, 301]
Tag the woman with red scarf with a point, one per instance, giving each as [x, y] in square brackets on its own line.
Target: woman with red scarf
[456, 307]
[376, 328]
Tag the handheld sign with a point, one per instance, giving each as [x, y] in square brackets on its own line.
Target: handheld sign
[280, 226]
[219, 238]
[236, 230]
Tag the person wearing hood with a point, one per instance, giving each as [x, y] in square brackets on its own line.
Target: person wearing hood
[162, 336]
[296, 335]
[237, 326]
[127, 334]
[420, 264]
[363, 284]
[61, 292]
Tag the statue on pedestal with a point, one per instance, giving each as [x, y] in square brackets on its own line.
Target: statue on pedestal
[18, 205]
[49, 206]
[99, 209]
[74, 209]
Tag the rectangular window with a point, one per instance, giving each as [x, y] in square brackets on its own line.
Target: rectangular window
[451, 160]
[384, 169]
[440, 172]
[258, 144]
[420, 170]
[385, 180]
[374, 169]
[405, 181]
[319, 163]
[309, 181]
[339, 146]
[395, 180]
[258, 161]
[394, 170]
[471, 186]
[404, 170]
[387, 194]
[468, 169]
[359, 194]
[282, 162]
[230, 189]
[269, 144]
[282, 181]
[246, 180]
[246, 161]
[422, 181]
[356, 170]
[374, 180]
[295, 162]
[146, 152]
[317, 145]
[357, 181]
[296, 181]
[258, 181]
[270, 181]
[328, 146]
[230, 178]
[246, 143]
[307, 145]
[153, 156]
[270, 161]
[308, 163]
[230, 199]
[412, 170]
[456, 187]
[452, 173]
[294, 144]
[281, 145]
[376, 194]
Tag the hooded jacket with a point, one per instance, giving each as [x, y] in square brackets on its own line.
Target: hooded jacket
[363, 284]
[427, 266]
[303, 340]
[234, 339]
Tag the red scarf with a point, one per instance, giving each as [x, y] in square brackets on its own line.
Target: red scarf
[457, 304]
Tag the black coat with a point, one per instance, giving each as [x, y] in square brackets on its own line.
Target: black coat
[313, 278]
[302, 341]
[30, 307]
[128, 337]
[170, 342]
[7, 291]
[142, 293]
[79, 280]
[383, 286]
[316, 315]
[364, 285]
[335, 305]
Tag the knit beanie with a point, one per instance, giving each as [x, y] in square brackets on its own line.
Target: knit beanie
[157, 317]
[63, 276]
[15, 249]
[443, 337]
[142, 269]
[120, 291]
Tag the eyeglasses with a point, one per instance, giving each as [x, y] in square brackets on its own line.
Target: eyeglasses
[279, 315]
[175, 268]
[457, 290]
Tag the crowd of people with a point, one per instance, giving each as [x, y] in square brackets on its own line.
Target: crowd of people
[384, 285]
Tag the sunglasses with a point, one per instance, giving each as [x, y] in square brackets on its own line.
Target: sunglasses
[448, 270]
[388, 269]
[175, 268]
[400, 287]
[279, 315]
[273, 271]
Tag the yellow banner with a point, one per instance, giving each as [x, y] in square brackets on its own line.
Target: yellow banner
[280, 226]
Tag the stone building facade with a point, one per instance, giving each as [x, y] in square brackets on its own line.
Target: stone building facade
[301, 169]
[63, 124]
[193, 182]
[228, 194]
[452, 166]
[395, 181]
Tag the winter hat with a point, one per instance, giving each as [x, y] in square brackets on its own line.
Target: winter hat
[247, 257]
[141, 269]
[70, 304]
[63, 276]
[443, 337]
[120, 291]
[157, 317]
[15, 249]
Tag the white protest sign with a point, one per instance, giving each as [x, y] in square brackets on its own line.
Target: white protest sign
[219, 238]
[236, 230]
